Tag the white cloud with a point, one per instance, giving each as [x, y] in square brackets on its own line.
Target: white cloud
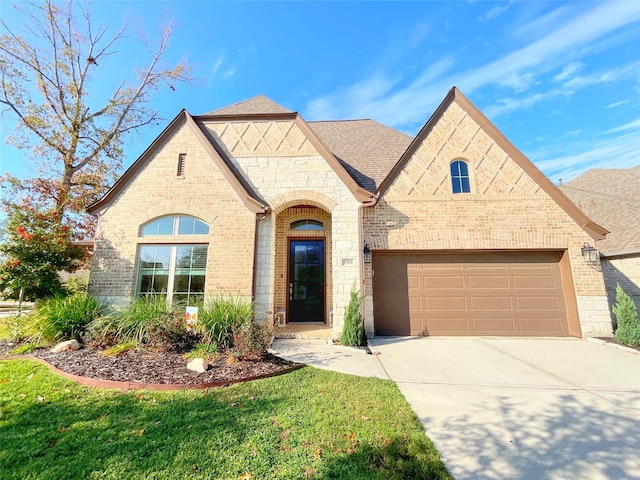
[401, 104]
[602, 77]
[618, 104]
[567, 71]
[507, 105]
[216, 71]
[618, 152]
[495, 12]
[632, 125]
[419, 32]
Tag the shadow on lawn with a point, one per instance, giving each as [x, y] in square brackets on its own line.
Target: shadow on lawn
[54, 429]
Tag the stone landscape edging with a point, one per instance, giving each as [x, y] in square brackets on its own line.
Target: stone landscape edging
[125, 386]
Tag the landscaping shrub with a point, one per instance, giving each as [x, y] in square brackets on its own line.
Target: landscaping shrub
[147, 321]
[353, 331]
[65, 318]
[628, 330]
[219, 316]
[251, 340]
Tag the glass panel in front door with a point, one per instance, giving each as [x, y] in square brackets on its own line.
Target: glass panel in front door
[306, 281]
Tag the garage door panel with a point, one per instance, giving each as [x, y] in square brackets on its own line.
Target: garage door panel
[537, 303]
[536, 326]
[492, 303]
[442, 282]
[511, 293]
[493, 326]
[445, 303]
[542, 281]
[446, 326]
[492, 282]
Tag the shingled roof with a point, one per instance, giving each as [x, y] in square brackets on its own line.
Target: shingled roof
[611, 198]
[367, 149]
[255, 105]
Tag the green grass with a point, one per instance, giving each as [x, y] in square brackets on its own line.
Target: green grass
[306, 424]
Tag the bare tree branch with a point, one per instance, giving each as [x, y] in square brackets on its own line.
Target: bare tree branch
[47, 71]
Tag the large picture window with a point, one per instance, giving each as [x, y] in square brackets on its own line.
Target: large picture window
[178, 271]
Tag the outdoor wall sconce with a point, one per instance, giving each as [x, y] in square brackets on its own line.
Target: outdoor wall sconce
[589, 253]
[366, 253]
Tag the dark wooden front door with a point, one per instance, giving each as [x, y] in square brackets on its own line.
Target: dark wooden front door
[306, 281]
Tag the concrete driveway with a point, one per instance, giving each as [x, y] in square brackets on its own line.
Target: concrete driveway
[507, 408]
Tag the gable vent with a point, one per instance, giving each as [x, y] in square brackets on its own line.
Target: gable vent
[181, 160]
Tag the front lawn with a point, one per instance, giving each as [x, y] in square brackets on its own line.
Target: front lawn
[306, 424]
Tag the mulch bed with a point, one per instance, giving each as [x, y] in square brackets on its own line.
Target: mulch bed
[166, 368]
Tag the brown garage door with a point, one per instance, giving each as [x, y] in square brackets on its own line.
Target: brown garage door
[469, 294]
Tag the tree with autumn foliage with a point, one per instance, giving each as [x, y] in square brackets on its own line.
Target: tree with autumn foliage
[48, 73]
[37, 246]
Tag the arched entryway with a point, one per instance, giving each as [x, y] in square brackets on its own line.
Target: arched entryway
[302, 273]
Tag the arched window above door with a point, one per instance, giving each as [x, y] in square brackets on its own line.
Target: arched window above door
[306, 224]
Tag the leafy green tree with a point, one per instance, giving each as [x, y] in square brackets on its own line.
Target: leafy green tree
[628, 330]
[37, 246]
[48, 71]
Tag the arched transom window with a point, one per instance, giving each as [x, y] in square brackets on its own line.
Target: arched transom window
[175, 225]
[460, 177]
[306, 224]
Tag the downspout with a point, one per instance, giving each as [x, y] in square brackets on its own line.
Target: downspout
[259, 217]
[369, 203]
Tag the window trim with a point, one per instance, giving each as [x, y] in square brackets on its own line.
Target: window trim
[459, 177]
[171, 271]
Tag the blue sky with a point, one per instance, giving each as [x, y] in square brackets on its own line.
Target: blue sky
[560, 80]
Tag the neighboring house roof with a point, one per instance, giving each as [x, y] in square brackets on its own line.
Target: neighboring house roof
[611, 197]
[259, 104]
[368, 161]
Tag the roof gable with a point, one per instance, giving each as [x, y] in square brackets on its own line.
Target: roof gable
[256, 105]
[454, 95]
[242, 189]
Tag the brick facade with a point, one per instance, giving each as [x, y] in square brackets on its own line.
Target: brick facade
[247, 252]
[156, 191]
[623, 270]
[506, 210]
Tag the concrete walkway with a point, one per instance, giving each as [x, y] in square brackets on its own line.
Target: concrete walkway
[509, 408]
[321, 354]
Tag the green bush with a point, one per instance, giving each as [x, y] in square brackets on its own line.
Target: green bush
[251, 340]
[628, 330]
[353, 331]
[64, 318]
[219, 316]
[147, 321]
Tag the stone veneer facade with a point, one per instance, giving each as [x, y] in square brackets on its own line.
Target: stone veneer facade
[285, 169]
[506, 210]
